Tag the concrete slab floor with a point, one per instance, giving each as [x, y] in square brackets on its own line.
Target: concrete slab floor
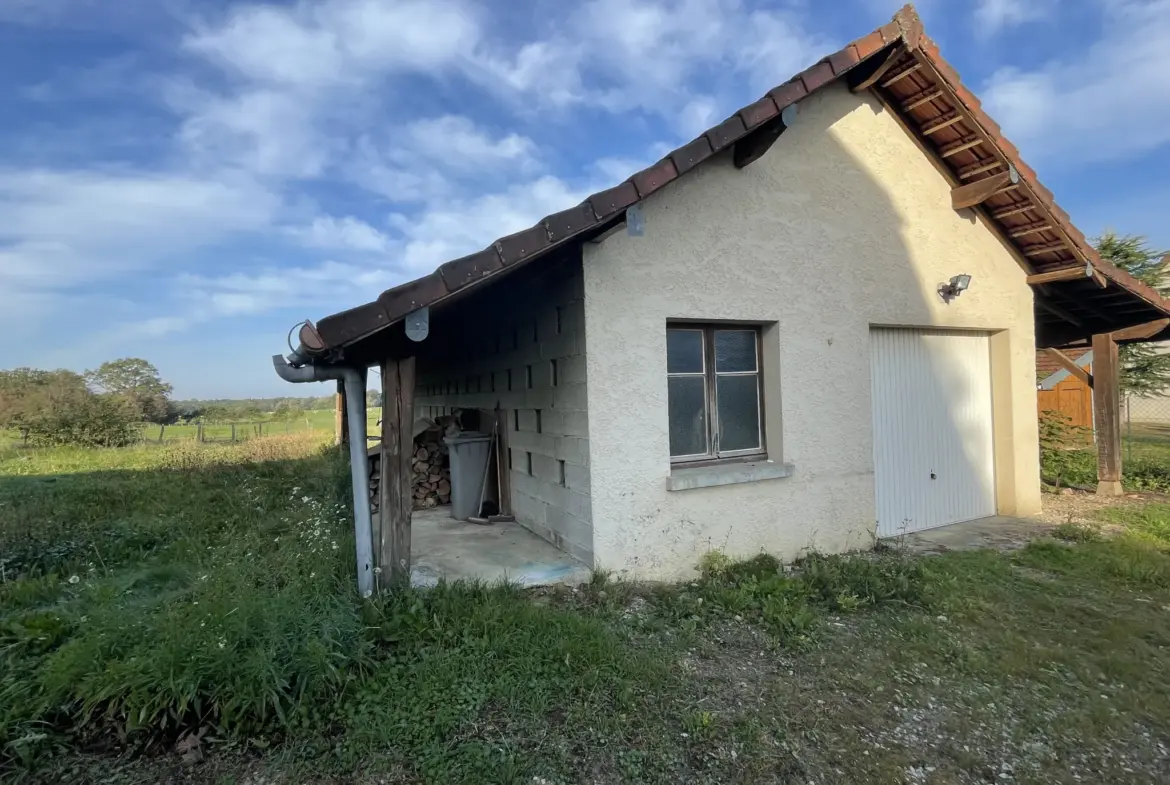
[1000, 532]
[442, 547]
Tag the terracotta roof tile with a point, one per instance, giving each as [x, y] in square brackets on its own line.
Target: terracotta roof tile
[612, 200]
[654, 177]
[788, 93]
[726, 133]
[869, 45]
[460, 272]
[523, 244]
[845, 59]
[759, 112]
[567, 223]
[817, 76]
[691, 154]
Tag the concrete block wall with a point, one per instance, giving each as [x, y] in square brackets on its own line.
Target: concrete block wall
[520, 347]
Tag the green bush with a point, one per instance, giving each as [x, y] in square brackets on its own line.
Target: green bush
[84, 419]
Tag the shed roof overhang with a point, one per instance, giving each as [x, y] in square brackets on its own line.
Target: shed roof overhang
[1077, 294]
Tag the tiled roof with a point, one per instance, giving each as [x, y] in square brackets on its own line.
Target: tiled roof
[1046, 365]
[904, 68]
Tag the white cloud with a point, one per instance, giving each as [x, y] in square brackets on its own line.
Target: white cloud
[341, 234]
[1110, 101]
[992, 16]
[61, 228]
[321, 45]
[457, 141]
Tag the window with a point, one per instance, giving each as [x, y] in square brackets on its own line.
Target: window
[713, 392]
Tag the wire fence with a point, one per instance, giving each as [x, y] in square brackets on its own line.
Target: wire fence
[225, 432]
[1146, 428]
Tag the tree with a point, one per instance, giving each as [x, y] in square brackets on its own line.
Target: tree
[137, 382]
[56, 407]
[1145, 367]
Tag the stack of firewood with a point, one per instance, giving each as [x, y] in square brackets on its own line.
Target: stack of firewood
[431, 473]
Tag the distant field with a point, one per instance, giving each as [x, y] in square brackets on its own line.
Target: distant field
[316, 420]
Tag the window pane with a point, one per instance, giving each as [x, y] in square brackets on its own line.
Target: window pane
[739, 412]
[688, 415]
[735, 350]
[684, 351]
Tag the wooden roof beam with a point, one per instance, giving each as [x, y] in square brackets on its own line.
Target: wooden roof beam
[946, 121]
[924, 97]
[1047, 248]
[1027, 229]
[1059, 312]
[960, 146]
[980, 191]
[1140, 332]
[1070, 365]
[901, 73]
[1010, 211]
[1063, 274]
[866, 75]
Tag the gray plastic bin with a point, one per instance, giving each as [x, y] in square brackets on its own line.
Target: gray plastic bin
[469, 453]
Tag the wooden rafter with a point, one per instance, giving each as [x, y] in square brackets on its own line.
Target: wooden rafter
[1010, 211]
[924, 97]
[980, 191]
[946, 121]
[1063, 274]
[1070, 365]
[901, 73]
[979, 168]
[864, 80]
[1059, 312]
[1047, 248]
[960, 146]
[1032, 228]
[1140, 332]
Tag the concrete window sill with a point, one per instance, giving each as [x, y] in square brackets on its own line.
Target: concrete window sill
[685, 479]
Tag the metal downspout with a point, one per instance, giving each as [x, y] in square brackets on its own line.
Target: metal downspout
[354, 380]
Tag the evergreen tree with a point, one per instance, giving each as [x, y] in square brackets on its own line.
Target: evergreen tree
[1145, 367]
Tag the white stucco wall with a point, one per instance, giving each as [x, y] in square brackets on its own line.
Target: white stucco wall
[844, 224]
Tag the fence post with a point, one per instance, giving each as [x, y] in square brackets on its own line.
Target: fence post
[233, 432]
[161, 428]
[199, 432]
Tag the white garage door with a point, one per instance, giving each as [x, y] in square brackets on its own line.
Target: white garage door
[932, 440]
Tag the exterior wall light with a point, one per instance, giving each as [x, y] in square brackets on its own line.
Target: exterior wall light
[952, 289]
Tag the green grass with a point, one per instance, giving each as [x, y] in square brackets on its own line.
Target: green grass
[162, 593]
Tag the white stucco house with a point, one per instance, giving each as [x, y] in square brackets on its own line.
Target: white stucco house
[761, 343]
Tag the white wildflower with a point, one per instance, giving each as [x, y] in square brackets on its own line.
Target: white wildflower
[74, 579]
[305, 499]
[312, 575]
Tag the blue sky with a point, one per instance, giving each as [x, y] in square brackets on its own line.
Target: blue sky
[183, 181]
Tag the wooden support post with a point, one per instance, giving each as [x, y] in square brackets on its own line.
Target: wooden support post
[1107, 414]
[340, 418]
[233, 433]
[395, 492]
